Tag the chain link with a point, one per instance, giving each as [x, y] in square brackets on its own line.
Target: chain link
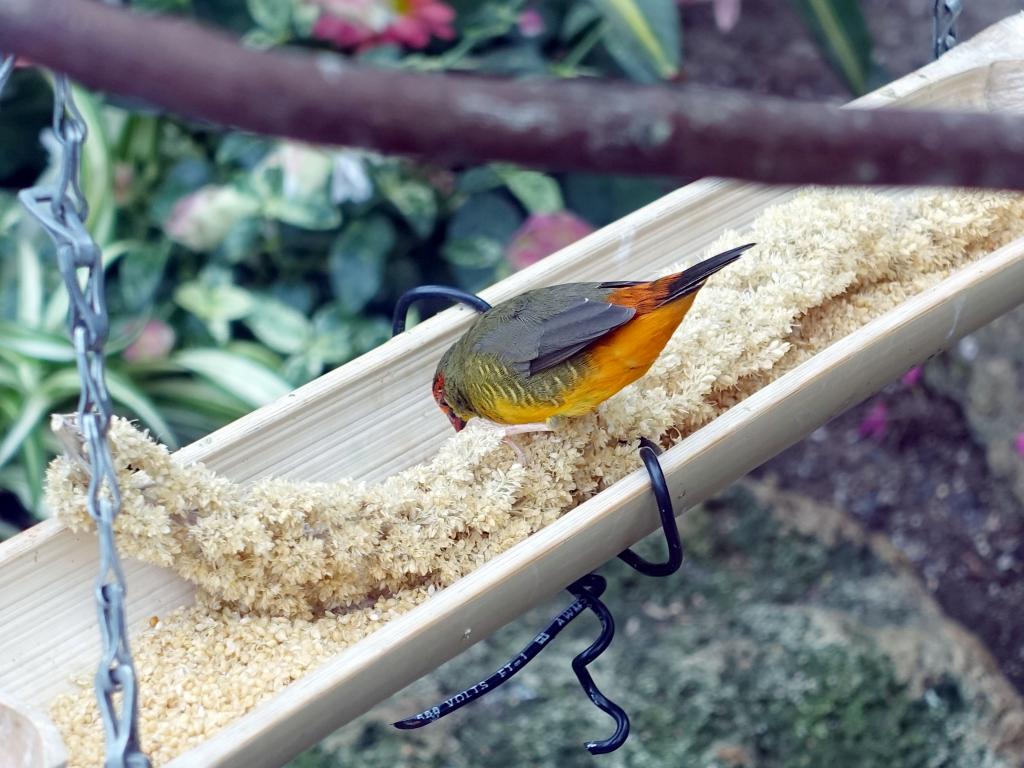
[946, 13]
[62, 210]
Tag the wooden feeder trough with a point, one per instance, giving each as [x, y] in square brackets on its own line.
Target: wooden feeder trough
[374, 416]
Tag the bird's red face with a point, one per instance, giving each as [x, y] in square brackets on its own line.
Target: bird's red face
[442, 403]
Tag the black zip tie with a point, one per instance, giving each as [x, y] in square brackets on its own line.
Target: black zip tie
[587, 590]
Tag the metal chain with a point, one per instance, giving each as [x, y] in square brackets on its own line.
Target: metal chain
[62, 210]
[946, 13]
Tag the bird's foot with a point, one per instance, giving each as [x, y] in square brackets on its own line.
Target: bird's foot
[519, 452]
[522, 429]
[508, 430]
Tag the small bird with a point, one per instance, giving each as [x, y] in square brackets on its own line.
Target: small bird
[565, 349]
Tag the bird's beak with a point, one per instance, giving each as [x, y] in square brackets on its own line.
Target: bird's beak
[458, 422]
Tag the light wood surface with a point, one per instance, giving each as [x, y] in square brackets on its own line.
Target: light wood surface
[375, 416]
[27, 739]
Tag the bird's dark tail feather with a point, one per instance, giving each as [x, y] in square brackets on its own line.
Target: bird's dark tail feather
[692, 279]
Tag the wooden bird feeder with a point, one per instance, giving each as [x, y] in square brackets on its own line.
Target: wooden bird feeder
[374, 416]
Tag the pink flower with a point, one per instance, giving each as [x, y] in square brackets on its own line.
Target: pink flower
[875, 422]
[727, 12]
[1019, 444]
[911, 377]
[361, 24]
[155, 342]
[531, 23]
[542, 234]
[202, 219]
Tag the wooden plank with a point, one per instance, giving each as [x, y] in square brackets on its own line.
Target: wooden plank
[27, 739]
[346, 424]
[48, 624]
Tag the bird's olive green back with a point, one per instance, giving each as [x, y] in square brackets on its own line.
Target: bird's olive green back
[528, 349]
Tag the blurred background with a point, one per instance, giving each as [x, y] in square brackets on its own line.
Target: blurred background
[816, 618]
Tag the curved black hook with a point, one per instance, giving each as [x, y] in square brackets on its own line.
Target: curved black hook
[430, 292]
[649, 453]
[582, 591]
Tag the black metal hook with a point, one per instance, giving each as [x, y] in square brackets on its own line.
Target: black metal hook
[431, 292]
[587, 590]
[649, 453]
[579, 666]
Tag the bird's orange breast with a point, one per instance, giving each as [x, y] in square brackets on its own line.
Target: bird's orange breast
[613, 362]
[624, 355]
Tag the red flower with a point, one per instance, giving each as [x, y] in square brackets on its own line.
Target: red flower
[544, 233]
[361, 24]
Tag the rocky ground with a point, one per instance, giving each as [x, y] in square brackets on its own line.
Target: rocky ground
[820, 616]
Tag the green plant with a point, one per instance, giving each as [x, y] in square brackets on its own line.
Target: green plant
[239, 266]
[842, 33]
[185, 393]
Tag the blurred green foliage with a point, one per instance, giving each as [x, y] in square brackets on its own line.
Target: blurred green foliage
[240, 266]
[841, 31]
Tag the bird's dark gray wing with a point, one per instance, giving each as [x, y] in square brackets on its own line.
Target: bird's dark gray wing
[532, 344]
